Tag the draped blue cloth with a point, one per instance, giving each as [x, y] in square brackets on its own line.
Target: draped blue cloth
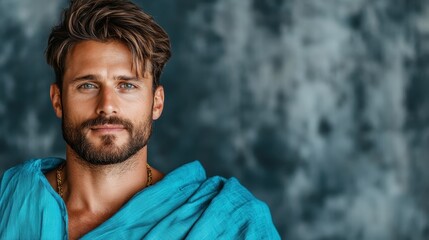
[183, 205]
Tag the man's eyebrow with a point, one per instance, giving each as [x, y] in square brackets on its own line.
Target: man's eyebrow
[116, 78]
[85, 78]
[127, 78]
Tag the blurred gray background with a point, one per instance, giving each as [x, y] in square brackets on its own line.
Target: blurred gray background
[319, 107]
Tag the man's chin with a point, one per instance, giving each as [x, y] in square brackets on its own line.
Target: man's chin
[105, 156]
[105, 149]
[107, 141]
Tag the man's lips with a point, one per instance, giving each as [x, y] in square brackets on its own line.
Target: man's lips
[107, 128]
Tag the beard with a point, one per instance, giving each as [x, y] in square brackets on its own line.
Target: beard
[108, 152]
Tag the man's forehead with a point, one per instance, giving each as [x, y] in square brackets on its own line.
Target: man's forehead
[111, 48]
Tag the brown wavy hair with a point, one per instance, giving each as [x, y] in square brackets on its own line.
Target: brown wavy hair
[107, 20]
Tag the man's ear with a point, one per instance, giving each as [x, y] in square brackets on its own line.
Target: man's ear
[158, 102]
[56, 100]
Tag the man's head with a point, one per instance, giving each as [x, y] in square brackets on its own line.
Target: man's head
[108, 56]
[106, 20]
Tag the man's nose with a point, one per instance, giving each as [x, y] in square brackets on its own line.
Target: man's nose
[107, 102]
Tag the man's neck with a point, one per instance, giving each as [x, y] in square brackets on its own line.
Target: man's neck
[93, 194]
[105, 187]
[101, 188]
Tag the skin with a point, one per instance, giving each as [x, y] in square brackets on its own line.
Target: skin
[99, 80]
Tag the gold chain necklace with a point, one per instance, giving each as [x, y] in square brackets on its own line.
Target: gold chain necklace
[60, 178]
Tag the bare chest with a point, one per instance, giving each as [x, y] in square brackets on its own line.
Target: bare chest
[81, 224]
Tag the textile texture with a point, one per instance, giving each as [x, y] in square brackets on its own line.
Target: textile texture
[183, 205]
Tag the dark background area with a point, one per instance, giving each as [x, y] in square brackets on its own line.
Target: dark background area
[320, 108]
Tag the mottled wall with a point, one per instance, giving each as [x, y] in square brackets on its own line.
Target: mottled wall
[319, 107]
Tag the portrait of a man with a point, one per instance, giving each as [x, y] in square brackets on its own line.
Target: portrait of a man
[108, 56]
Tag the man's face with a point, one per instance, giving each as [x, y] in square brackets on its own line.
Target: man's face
[106, 108]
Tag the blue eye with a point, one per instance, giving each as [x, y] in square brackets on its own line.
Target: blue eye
[127, 86]
[87, 86]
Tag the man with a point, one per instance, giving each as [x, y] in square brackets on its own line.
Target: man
[108, 56]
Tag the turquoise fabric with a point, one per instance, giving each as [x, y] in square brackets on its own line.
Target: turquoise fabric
[183, 205]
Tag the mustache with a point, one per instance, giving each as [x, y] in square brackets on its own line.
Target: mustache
[100, 120]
